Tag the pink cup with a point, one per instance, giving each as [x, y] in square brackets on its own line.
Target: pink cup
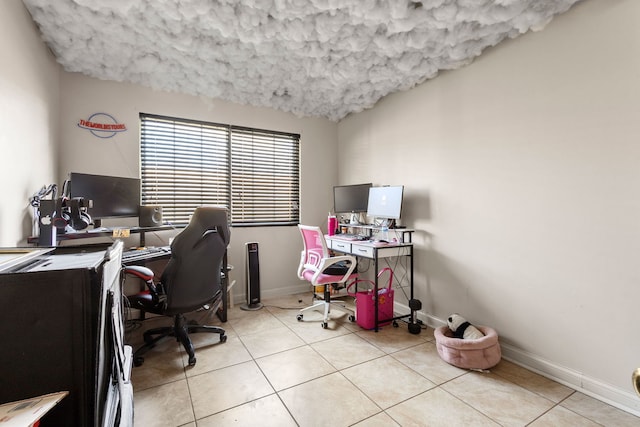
[332, 225]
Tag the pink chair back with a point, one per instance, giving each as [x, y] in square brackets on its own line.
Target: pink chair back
[315, 247]
[315, 259]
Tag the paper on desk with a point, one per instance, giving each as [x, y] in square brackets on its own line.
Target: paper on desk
[26, 412]
[121, 232]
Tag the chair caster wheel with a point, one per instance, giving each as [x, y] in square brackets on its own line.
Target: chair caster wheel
[324, 325]
[352, 318]
[299, 317]
[223, 338]
[395, 324]
[192, 361]
[138, 361]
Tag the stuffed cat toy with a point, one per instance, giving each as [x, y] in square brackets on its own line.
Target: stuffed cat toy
[463, 329]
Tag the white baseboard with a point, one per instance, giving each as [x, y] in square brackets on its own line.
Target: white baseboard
[593, 387]
[614, 396]
[275, 292]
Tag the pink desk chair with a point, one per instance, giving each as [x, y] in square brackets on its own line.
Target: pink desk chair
[319, 268]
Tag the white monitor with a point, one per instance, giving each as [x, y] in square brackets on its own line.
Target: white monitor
[385, 202]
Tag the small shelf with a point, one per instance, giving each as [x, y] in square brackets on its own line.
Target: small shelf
[403, 235]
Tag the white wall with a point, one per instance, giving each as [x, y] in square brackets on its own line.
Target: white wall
[522, 175]
[279, 246]
[28, 120]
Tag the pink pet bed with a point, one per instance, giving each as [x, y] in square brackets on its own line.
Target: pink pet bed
[481, 353]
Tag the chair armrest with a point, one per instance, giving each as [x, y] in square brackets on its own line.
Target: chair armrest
[140, 272]
[145, 274]
[327, 262]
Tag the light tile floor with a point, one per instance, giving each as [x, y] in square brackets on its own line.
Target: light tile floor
[276, 371]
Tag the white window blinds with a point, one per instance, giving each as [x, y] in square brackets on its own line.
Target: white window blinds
[187, 163]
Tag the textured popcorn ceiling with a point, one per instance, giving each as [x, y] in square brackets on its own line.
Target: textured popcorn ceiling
[318, 58]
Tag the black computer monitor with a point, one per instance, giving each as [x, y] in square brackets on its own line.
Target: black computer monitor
[385, 202]
[108, 196]
[351, 198]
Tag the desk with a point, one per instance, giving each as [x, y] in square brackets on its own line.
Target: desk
[374, 251]
[106, 232]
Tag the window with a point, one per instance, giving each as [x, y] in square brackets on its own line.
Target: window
[187, 163]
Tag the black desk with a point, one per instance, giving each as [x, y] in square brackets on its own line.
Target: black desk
[107, 232]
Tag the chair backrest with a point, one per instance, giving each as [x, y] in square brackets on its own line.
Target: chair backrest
[315, 246]
[316, 263]
[192, 275]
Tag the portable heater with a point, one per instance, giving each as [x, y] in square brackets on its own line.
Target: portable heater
[252, 277]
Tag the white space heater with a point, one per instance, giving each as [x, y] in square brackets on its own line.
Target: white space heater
[252, 277]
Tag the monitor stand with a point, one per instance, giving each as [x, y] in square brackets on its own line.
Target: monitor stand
[388, 223]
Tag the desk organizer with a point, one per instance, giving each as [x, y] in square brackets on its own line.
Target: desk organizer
[481, 353]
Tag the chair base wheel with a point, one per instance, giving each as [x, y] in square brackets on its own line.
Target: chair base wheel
[223, 338]
[138, 361]
[324, 325]
[352, 318]
[192, 361]
[299, 317]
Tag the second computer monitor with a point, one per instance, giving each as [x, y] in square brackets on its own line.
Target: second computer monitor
[110, 196]
[385, 202]
[351, 198]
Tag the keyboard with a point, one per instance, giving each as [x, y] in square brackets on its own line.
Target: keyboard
[346, 236]
[145, 253]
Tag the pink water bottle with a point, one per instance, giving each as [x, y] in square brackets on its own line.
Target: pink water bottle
[332, 224]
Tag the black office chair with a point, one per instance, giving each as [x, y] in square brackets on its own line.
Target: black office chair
[190, 281]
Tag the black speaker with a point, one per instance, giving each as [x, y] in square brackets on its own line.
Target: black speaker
[253, 278]
[150, 216]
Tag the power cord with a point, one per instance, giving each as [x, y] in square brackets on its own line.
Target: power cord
[42, 193]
